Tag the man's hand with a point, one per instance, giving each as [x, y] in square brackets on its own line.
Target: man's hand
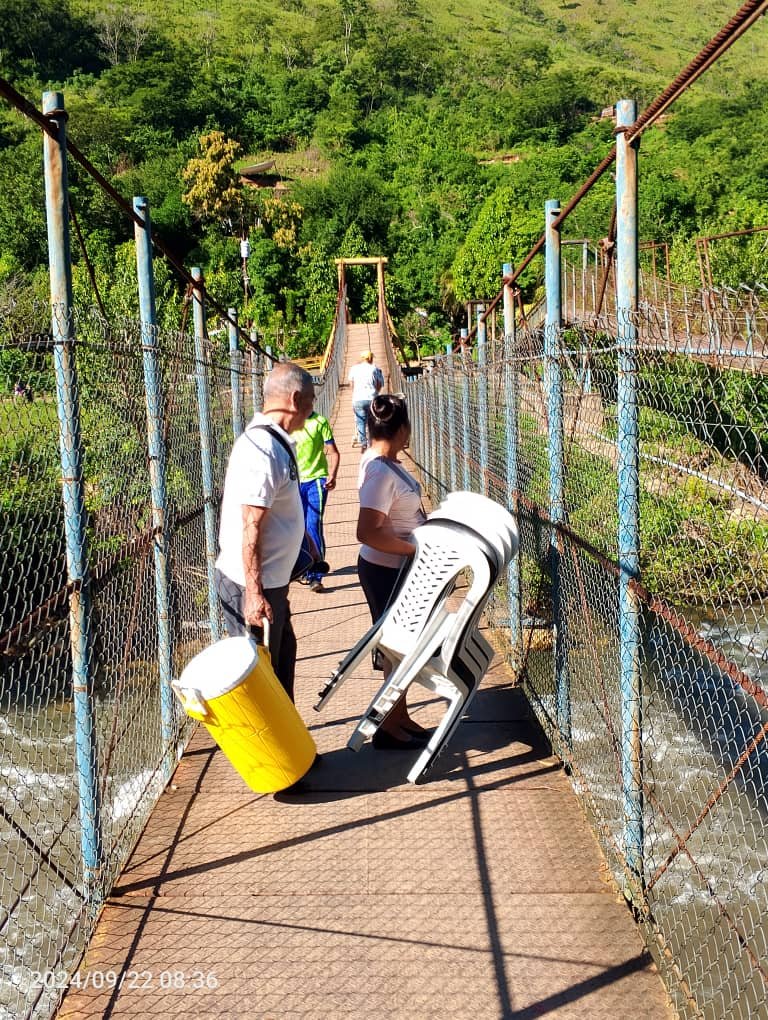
[330, 483]
[256, 609]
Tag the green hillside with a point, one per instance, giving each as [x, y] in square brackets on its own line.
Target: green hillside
[431, 132]
[647, 39]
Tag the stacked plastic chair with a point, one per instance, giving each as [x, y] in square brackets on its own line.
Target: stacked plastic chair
[431, 632]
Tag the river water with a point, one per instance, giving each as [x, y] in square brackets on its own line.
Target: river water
[706, 805]
[42, 907]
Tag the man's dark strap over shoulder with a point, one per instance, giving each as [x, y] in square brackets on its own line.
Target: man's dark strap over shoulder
[294, 469]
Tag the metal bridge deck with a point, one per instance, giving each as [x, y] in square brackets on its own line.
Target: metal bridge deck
[480, 894]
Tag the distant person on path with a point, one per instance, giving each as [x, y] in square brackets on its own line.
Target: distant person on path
[367, 381]
[262, 521]
[318, 458]
[390, 508]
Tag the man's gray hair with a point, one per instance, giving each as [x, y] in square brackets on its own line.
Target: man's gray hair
[287, 378]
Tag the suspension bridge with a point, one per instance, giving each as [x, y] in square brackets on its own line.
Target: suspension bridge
[365, 895]
[591, 843]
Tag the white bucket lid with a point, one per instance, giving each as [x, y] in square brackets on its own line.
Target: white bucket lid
[219, 668]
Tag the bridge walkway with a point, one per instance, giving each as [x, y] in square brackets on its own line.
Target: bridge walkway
[480, 894]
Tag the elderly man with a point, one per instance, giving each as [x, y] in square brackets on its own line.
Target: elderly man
[262, 520]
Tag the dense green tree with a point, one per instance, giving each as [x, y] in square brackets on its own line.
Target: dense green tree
[349, 196]
[429, 136]
[504, 232]
[45, 39]
[23, 232]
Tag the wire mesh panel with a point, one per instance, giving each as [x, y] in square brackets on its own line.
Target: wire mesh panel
[50, 892]
[47, 901]
[665, 738]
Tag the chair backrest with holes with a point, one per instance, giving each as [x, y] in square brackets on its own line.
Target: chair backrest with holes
[421, 608]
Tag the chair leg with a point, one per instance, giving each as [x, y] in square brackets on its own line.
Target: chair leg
[442, 735]
[393, 688]
[349, 664]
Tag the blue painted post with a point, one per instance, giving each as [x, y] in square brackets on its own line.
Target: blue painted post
[235, 374]
[414, 413]
[688, 336]
[422, 419]
[432, 426]
[554, 387]
[73, 491]
[466, 418]
[513, 483]
[157, 476]
[441, 382]
[451, 383]
[206, 454]
[483, 410]
[629, 487]
[586, 367]
[257, 365]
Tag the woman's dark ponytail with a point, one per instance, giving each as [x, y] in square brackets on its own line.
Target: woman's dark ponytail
[386, 414]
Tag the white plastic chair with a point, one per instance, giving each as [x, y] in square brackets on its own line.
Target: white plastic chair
[428, 642]
[450, 659]
[419, 607]
[487, 518]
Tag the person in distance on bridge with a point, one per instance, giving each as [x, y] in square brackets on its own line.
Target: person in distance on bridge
[367, 380]
[262, 521]
[318, 458]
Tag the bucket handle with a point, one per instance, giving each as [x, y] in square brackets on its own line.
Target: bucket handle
[265, 625]
[192, 700]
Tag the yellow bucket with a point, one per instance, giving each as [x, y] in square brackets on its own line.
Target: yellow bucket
[232, 689]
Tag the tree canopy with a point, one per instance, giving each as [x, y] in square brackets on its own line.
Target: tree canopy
[396, 128]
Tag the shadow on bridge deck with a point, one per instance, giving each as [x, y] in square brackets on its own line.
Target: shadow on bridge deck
[480, 894]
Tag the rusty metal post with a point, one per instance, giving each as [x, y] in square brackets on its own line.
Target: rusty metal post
[73, 492]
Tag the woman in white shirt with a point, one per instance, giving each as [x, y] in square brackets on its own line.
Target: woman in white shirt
[390, 508]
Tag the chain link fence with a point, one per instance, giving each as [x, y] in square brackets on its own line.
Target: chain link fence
[48, 900]
[652, 689]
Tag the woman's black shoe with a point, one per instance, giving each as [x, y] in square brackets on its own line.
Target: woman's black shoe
[417, 731]
[384, 741]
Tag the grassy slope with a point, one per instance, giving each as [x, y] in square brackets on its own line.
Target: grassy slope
[654, 38]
